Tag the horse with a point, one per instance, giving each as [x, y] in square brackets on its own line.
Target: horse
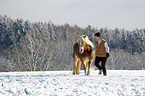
[82, 54]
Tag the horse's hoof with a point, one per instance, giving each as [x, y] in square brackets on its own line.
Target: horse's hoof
[77, 73]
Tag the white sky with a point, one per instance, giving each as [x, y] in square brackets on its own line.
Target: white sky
[128, 14]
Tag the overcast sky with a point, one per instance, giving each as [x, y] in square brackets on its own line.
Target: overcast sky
[128, 14]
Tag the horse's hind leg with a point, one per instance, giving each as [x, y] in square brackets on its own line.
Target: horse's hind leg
[89, 65]
[78, 67]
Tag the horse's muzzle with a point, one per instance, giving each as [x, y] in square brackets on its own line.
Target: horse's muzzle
[81, 50]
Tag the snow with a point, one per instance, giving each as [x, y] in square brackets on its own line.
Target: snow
[63, 83]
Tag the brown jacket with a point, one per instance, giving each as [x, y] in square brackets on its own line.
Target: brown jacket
[100, 50]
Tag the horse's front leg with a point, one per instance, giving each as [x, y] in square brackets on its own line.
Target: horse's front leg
[89, 65]
[85, 68]
[75, 66]
[78, 67]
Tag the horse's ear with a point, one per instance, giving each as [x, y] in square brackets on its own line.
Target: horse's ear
[84, 36]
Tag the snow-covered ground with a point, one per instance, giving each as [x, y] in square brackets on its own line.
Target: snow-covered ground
[63, 83]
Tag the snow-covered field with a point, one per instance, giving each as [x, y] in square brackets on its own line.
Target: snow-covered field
[63, 83]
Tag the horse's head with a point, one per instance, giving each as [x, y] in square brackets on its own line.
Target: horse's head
[83, 40]
[81, 43]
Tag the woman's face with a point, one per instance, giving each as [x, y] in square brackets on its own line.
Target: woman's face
[97, 38]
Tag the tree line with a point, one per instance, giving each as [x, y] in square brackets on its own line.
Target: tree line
[43, 46]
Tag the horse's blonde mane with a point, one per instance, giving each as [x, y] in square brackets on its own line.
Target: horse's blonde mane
[86, 40]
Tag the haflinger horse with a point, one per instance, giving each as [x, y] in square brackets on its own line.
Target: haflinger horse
[82, 54]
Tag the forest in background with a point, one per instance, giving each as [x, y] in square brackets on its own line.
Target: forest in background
[44, 46]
